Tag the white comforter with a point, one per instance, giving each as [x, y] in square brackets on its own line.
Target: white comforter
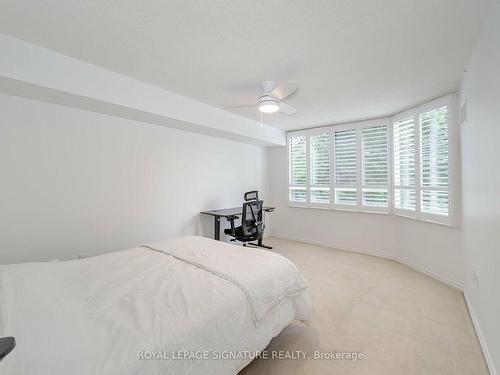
[99, 315]
[266, 278]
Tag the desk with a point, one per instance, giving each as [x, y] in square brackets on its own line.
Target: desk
[226, 212]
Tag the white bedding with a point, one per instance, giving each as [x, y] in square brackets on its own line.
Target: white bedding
[95, 316]
[273, 278]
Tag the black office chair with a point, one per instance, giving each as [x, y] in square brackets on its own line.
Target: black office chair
[252, 225]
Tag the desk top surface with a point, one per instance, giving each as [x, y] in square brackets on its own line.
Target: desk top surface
[223, 212]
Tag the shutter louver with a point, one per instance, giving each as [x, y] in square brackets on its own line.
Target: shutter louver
[298, 169]
[375, 160]
[345, 153]
[320, 168]
[434, 161]
[404, 148]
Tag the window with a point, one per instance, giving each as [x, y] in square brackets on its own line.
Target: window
[404, 156]
[346, 170]
[375, 166]
[421, 156]
[400, 165]
[434, 161]
[298, 169]
[320, 168]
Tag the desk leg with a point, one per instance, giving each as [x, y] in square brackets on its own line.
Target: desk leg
[217, 228]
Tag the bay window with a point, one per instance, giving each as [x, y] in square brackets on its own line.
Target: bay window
[401, 165]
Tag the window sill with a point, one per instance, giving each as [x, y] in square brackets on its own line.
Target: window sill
[425, 220]
[401, 215]
[337, 209]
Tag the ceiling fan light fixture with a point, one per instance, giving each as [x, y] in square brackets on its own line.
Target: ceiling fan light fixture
[269, 106]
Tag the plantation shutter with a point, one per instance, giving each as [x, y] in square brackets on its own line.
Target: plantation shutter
[404, 156]
[402, 165]
[320, 168]
[434, 161]
[375, 162]
[298, 169]
[345, 154]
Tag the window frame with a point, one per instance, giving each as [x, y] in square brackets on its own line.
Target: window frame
[451, 101]
[387, 209]
[413, 214]
[358, 126]
[333, 184]
[318, 131]
[289, 160]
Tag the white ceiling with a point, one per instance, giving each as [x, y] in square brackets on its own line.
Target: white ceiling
[352, 59]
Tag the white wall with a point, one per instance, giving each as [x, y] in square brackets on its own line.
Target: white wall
[481, 184]
[432, 248]
[74, 181]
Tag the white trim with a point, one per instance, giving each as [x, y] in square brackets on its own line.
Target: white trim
[390, 170]
[403, 214]
[289, 164]
[407, 215]
[377, 253]
[445, 280]
[332, 170]
[359, 169]
[436, 103]
[308, 169]
[339, 208]
[454, 182]
[479, 334]
[418, 176]
[312, 186]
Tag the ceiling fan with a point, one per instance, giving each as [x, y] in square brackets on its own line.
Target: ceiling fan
[270, 99]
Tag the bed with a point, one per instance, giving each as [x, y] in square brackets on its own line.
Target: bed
[189, 305]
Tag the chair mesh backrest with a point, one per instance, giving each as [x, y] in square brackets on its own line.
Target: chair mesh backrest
[251, 222]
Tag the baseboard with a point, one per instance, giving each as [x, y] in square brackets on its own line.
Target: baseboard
[381, 254]
[334, 246]
[444, 280]
[479, 334]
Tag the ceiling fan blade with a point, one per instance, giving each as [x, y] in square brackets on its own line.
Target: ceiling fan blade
[243, 105]
[283, 90]
[287, 109]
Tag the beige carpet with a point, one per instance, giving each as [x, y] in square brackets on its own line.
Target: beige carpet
[402, 320]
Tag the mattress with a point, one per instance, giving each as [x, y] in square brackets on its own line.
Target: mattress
[130, 312]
